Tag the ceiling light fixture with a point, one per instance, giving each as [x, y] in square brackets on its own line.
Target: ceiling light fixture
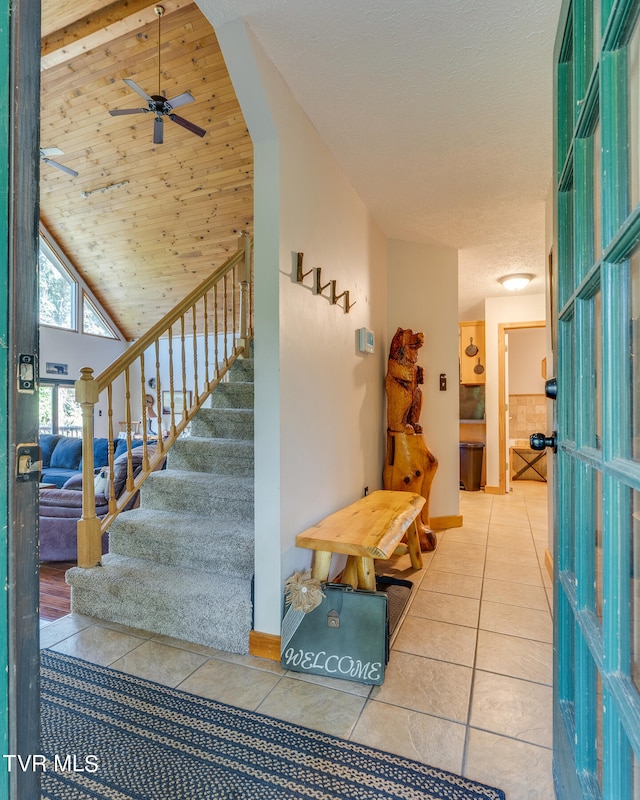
[516, 282]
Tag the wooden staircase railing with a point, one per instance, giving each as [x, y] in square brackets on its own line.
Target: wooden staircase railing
[203, 335]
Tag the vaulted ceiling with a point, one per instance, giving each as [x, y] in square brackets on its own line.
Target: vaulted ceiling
[144, 223]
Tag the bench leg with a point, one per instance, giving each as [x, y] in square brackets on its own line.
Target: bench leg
[350, 574]
[366, 573]
[413, 541]
[321, 565]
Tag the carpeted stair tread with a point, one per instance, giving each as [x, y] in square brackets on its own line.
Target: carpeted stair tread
[235, 394]
[223, 423]
[241, 370]
[221, 456]
[185, 540]
[170, 601]
[199, 492]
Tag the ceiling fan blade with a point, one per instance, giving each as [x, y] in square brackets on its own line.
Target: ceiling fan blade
[45, 152]
[158, 131]
[188, 125]
[133, 85]
[117, 112]
[68, 170]
[179, 100]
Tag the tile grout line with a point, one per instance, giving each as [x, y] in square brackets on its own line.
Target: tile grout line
[467, 729]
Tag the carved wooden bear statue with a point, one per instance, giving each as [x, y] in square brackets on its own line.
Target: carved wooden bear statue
[409, 465]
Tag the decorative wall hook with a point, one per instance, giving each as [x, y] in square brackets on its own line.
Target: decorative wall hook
[335, 297]
[318, 288]
[300, 275]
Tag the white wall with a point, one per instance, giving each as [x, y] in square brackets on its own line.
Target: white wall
[498, 310]
[422, 294]
[319, 402]
[79, 350]
[527, 348]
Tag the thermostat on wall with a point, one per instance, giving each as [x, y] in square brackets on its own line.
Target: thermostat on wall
[366, 340]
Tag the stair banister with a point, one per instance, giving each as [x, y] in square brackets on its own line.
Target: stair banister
[89, 389]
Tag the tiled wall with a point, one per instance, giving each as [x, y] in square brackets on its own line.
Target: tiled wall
[527, 415]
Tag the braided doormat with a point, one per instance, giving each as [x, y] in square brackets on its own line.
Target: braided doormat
[111, 736]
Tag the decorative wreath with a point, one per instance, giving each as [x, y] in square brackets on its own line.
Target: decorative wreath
[302, 592]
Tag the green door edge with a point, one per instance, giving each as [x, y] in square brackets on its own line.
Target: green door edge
[6, 71]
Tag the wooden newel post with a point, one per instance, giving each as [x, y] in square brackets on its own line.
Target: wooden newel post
[89, 535]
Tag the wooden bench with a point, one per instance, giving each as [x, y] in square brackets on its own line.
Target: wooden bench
[370, 528]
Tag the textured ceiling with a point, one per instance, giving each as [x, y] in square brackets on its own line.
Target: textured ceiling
[440, 114]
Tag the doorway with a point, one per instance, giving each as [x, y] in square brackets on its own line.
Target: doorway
[505, 440]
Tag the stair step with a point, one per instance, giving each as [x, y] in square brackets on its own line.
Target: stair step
[235, 394]
[222, 456]
[185, 540]
[180, 603]
[241, 370]
[198, 493]
[223, 423]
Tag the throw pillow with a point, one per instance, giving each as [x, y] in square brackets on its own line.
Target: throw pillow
[48, 442]
[121, 463]
[100, 453]
[67, 453]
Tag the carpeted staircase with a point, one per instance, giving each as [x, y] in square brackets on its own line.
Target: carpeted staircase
[181, 565]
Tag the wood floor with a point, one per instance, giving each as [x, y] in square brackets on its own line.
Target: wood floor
[54, 592]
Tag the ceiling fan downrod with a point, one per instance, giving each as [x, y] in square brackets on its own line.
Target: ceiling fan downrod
[159, 11]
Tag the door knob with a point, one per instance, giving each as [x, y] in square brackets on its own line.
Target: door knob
[538, 441]
[551, 388]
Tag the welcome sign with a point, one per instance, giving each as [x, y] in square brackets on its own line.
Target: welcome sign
[346, 636]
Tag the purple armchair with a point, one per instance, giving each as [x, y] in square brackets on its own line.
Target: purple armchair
[60, 509]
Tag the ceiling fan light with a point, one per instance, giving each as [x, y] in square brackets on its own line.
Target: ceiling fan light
[514, 283]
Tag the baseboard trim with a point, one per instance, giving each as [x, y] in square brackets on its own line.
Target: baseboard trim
[548, 562]
[441, 523]
[493, 490]
[264, 645]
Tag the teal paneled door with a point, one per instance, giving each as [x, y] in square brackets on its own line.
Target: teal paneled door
[597, 476]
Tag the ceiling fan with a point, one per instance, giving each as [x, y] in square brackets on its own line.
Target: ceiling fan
[159, 105]
[45, 152]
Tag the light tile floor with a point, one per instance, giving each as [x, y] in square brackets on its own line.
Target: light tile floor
[468, 685]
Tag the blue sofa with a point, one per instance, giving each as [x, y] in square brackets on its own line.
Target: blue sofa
[62, 456]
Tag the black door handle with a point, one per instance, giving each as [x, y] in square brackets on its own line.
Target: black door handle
[551, 388]
[538, 441]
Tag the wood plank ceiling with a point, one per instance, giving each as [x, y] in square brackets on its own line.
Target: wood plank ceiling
[143, 223]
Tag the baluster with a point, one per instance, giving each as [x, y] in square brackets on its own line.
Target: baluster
[225, 317]
[236, 327]
[111, 456]
[207, 377]
[196, 389]
[171, 384]
[216, 332]
[184, 368]
[159, 399]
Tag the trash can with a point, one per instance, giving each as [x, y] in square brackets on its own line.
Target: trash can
[471, 454]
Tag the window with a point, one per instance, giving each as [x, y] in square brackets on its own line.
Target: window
[92, 320]
[58, 291]
[59, 412]
[62, 304]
